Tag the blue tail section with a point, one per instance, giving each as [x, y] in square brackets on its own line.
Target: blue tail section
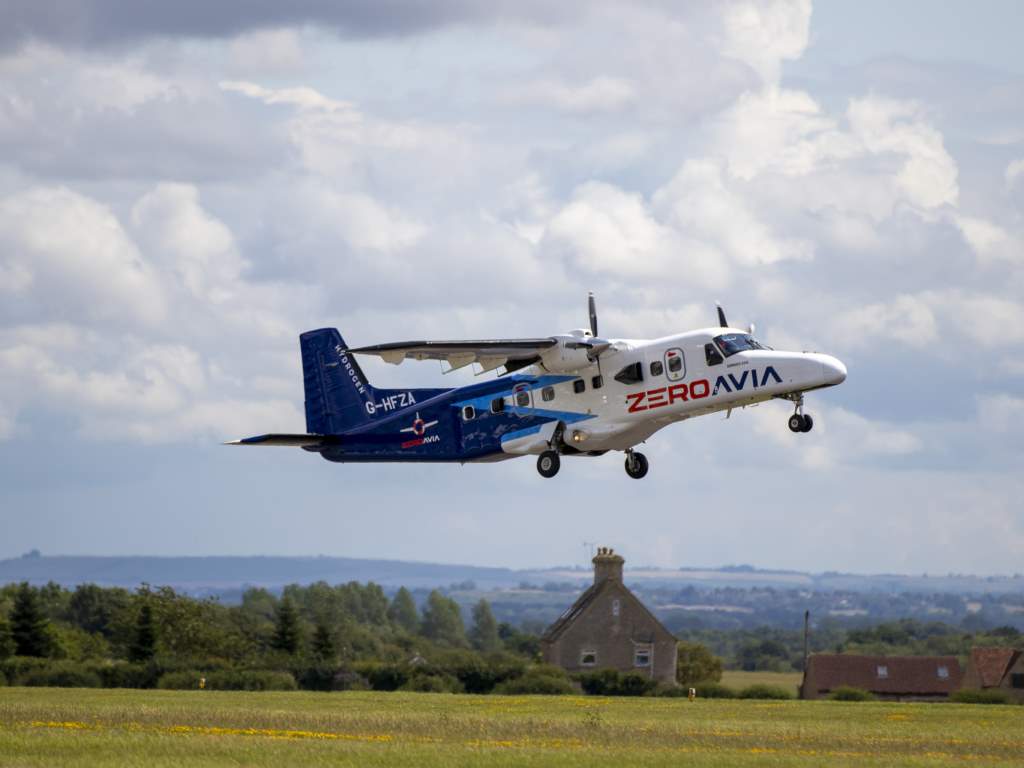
[338, 396]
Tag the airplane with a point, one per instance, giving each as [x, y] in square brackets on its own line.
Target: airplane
[572, 394]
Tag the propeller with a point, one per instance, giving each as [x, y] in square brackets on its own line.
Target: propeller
[721, 315]
[594, 345]
[592, 306]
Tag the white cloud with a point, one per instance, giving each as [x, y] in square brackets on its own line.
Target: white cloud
[599, 94]
[908, 319]
[1001, 413]
[767, 33]
[1014, 170]
[76, 258]
[271, 51]
[989, 241]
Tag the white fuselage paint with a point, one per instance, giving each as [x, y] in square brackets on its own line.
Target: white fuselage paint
[620, 415]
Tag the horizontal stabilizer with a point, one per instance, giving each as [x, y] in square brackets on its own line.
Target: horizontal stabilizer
[293, 441]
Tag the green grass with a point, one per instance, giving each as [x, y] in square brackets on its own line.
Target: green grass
[788, 680]
[46, 727]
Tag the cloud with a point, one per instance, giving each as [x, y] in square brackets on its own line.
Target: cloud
[908, 319]
[765, 34]
[1001, 413]
[600, 94]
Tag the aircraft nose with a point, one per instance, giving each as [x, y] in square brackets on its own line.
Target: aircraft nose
[833, 370]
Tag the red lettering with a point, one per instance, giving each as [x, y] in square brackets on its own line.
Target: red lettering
[705, 388]
[656, 398]
[676, 392]
[637, 399]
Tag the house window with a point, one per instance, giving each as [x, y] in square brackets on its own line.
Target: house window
[597, 382]
[616, 605]
[1017, 680]
[642, 657]
[588, 657]
[943, 673]
[657, 368]
[468, 413]
[883, 671]
[497, 405]
[631, 374]
[547, 394]
[579, 386]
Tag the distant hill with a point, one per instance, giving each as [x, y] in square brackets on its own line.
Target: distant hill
[221, 575]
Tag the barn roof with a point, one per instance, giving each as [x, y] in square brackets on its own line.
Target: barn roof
[992, 663]
[906, 675]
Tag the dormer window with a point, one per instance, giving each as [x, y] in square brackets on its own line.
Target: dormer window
[883, 672]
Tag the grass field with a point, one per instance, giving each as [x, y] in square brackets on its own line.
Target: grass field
[739, 680]
[87, 727]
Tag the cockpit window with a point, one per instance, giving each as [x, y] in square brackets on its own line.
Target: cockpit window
[731, 343]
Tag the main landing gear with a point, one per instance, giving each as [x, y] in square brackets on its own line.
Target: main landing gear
[799, 421]
[636, 464]
[548, 463]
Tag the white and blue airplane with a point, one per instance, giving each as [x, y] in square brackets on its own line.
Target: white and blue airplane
[574, 394]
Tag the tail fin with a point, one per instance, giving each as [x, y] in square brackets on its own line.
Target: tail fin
[336, 388]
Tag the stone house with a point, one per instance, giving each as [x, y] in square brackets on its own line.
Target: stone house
[1001, 668]
[608, 627]
[894, 678]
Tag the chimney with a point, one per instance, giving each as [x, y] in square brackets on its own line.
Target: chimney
[607, 565]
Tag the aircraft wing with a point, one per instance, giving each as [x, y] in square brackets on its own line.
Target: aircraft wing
[489, 354]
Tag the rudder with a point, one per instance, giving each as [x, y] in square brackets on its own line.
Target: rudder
[336, 387]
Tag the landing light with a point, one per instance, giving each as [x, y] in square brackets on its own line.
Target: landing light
[578, 436]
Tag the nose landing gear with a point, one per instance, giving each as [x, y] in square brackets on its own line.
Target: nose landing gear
[636, 464]
[799, 421]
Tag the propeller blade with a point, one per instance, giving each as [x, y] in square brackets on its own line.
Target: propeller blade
[721, 316]
[592, 306]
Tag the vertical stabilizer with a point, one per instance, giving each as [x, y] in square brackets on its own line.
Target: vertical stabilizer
[336, 388]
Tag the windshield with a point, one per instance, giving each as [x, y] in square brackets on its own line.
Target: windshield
[731, 343]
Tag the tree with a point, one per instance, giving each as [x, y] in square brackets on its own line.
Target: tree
[484, 634]
[29, 627]
[6, 640]
[442, 620]
[287, 635]
[143, 645]
[323, 643]
[696, 664]
[402, 611]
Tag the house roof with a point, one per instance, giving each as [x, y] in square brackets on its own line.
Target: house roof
[992, 663]
[585, 600]
[904, 674]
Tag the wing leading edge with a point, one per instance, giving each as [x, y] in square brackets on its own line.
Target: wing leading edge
[489, 354]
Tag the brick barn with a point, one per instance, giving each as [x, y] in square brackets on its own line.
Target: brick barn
[996, 668]
[608, 627]
[894, 678]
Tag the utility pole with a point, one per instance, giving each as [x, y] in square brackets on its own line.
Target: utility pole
[588, 549]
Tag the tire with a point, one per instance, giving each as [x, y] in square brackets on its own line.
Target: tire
[796, 423]
[638, 467]
[808, 423]
[548, 464]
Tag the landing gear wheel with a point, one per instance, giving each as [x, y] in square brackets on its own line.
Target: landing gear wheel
[636, 465]
[808, 423]
[548, 464]
[796, 423]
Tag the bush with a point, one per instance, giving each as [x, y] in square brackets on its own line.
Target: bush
[429, 683]
[610, 682]
[3, 679]
[62, 674]
[230, 680]
[711, 690]
[849, 693]
[384, 677]
[762, 691]
[15, 668]
[543, 680]
[988, 696]
[123, 674]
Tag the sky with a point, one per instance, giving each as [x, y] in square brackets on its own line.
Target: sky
[185, 188]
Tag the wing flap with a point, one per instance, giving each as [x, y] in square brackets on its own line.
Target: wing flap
[488, 353]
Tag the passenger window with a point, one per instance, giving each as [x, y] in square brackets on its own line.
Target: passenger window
[468, 413]
[712, 355]
[548, 394]
[657, 368]
[631, 374]
[523, 398]
[675, 364]
[597, 382]
[579, 386]
[497, 405]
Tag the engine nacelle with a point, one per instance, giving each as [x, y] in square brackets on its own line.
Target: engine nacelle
[566, 358]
